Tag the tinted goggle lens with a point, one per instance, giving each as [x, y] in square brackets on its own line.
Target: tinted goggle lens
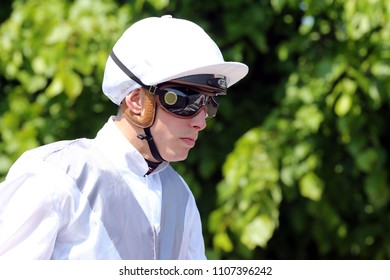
[186, 102]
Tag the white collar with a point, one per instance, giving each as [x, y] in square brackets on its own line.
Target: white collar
[121, 152]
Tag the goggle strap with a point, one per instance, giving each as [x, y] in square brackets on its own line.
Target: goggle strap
[152, 89]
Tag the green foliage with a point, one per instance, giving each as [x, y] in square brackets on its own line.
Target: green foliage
[295, 166]
[249, 195]
[53, 56]
[329, 138]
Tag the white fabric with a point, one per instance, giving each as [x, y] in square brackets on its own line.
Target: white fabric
[38, 200]
[161, 49]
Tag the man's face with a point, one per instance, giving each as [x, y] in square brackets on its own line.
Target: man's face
[175, 136]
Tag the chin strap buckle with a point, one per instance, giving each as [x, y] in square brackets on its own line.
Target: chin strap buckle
[145, 137]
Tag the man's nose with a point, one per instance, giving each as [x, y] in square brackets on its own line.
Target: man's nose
[199, 120]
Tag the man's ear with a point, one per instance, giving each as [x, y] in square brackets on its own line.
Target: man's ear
[140, 107]
[134, 102]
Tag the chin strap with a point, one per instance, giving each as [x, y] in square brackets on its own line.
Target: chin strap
[152, 146]
[150, 100]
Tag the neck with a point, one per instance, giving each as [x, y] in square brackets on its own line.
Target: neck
[131, 133]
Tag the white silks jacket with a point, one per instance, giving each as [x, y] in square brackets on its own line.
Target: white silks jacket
[90, 199]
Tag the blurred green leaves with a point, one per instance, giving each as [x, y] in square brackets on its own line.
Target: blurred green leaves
[296, 163]
[50, 49]
[319, 160]
[249, 193]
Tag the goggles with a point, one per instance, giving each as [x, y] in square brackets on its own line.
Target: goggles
[186, 102]
[184, 97]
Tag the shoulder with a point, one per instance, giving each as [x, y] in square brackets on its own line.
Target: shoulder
[46, 158]
[59, 149]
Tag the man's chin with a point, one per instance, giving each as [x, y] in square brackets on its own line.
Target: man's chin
[176, 157]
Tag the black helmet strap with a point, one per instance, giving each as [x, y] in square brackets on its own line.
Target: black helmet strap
[152, 146]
